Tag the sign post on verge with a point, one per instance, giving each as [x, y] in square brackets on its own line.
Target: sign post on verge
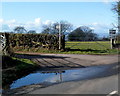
[112, 34]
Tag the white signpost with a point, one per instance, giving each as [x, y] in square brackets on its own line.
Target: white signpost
[59, 28]
[112, 34]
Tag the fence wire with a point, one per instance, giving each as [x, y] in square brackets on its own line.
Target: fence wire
[95, 45]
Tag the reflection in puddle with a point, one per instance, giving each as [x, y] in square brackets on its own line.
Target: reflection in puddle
[56, 76]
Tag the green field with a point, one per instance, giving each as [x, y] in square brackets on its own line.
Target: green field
[96, 47]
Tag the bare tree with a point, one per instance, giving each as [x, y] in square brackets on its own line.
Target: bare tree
[116, 9]
[20, 29]
[66, 27]
[46, 29]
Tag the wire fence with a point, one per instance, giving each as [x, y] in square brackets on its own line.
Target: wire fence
[93, 45]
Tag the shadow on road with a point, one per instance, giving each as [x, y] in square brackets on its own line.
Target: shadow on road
[32, 56]
[49, 61]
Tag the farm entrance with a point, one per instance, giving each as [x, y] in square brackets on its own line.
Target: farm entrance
[88, 46]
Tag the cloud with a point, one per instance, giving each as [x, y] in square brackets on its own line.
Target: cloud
[109, 1]
[102, 26]
[13, 21]
[48, 22]
[37, 21]
[1, 20]
[100, 29]
[36, 24]
[106, 1]
[92, 28]
[95, 23]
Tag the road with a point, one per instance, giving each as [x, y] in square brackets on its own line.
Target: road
[103, 82]
[104, 85]
[69, 60]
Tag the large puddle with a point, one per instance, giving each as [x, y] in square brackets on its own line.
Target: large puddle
[56, 76]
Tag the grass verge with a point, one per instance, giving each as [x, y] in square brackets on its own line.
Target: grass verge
[15, 68]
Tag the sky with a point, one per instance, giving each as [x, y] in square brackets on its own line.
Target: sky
[33, 15]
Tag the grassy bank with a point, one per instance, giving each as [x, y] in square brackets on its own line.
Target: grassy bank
[15, 68]
[94, 47]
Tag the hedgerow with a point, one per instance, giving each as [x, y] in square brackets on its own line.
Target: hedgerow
[24, 41]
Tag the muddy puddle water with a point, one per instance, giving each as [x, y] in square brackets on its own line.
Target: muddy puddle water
[56, 76]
